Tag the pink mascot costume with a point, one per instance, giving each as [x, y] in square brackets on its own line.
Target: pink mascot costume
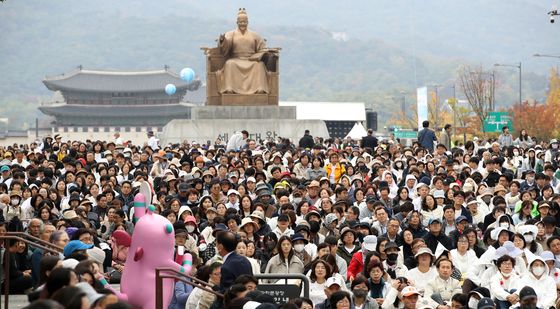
[152, 246]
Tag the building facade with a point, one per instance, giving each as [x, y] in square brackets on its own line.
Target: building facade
[104, 100]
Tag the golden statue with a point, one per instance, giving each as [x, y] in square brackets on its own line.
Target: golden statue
[243, 72]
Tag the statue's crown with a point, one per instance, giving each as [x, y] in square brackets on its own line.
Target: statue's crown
[241, 12]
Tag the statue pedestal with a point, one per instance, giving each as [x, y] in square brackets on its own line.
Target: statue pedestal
[210, 122]
[245, 100]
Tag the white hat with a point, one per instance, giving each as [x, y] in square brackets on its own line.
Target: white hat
[548, 256]
[439, 194]
[334, 280]
[370, 242]
[91, 294]
[409, 291]
[251, 179]
[70, 263]
[496, 232]
[527, 228]
[233, 191]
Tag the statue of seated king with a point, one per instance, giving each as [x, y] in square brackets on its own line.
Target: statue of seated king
[242, 70]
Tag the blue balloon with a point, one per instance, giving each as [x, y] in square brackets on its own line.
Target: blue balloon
[187, 74]
[170, 89]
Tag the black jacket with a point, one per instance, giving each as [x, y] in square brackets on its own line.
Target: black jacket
[432, 241]
[306, 141]
[369, 141]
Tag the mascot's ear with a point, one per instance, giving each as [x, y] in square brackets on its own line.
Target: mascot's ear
[138, 254]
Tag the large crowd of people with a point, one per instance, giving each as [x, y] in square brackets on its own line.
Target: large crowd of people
[371, 223]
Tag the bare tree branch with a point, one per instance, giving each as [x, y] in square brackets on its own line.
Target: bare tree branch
[478, 89]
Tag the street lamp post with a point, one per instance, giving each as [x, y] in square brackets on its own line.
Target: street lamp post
[518, 66]
[549, 56]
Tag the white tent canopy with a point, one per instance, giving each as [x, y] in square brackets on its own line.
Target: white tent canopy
[357, 132]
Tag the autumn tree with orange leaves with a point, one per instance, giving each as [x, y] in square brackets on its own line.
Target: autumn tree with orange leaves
[540, 119]
[536, 118]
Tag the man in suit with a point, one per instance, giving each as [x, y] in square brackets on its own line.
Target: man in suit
[369, 141]
[234, 265]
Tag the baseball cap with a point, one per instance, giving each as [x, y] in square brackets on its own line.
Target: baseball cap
[391, 245]
[485, 302]
[424, 250]
[548, 256]
[433, 220]
[439, 194]
[183, 187]
[283, 217]
[370, 242]
[75, 245]
[251, 179]
[460, 219]
[527, 292]
[409, 291]
[334, 280]
[4, 168]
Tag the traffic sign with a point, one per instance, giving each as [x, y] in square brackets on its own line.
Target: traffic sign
[406, 134]
[496, 120]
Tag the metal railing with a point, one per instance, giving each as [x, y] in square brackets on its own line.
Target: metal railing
[30, 240]
[304, 279]
[170, 273]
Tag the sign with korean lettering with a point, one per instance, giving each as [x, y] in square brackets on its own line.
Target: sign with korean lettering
[282, 293]
[496, 121]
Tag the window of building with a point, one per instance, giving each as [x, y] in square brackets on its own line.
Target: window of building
[106, 129]
[65, 129]
[95, 129]
[127, 129]
[84, 129]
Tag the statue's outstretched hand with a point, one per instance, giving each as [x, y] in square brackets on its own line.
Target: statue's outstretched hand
[222, 37]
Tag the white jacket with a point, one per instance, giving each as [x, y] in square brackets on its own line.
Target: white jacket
[545, 286]
[499, 285]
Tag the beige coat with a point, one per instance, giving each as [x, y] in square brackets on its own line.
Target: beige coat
[445, 288]
[277, 266]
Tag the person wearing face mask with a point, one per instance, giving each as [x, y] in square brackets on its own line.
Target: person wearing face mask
[391, 264]
[14, 209]
[529, 233]
[537, 278]
[299, 243]
[360, 291]
[504, 284]
[476, 295]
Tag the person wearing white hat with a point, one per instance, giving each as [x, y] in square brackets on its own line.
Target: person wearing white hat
[233, 197]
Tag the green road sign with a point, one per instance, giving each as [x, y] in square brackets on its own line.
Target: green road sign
[406, 134]
[496, 120]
